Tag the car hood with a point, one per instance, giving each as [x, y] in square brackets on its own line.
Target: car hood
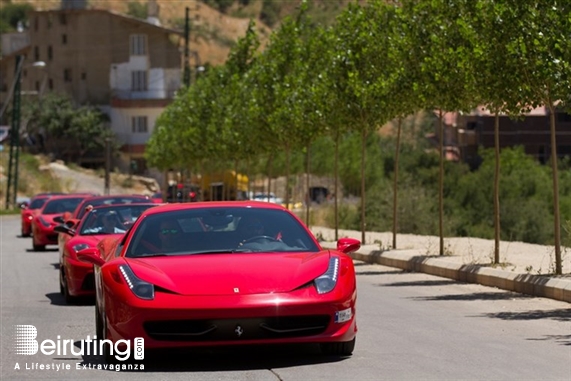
[230, 274]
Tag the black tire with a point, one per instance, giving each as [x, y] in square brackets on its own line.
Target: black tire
[101, 333]
[38, 247]
[98, 324]
[69, 299]
[338, 349]
[61, 291]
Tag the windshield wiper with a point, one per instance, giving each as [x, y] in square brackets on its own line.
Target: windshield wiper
[220, 251]
[151, 255]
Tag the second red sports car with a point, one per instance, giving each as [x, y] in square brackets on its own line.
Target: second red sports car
[76, 277]
[223, 273]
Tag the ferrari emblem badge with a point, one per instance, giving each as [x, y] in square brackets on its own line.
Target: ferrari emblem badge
[236, 290]
[239, 331]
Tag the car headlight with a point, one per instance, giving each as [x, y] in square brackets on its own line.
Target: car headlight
[326, 282]
[140, 288]
[80, 246]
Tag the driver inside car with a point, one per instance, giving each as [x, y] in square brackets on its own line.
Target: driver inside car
[251, 229]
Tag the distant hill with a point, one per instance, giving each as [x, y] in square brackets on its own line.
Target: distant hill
[215, 24]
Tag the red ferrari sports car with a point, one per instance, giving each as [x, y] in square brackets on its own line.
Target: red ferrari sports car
[223, 273]
[44, 222]
[76, 277]
[73, 217]
[29, 211]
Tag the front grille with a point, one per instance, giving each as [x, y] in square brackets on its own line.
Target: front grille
[237, 329]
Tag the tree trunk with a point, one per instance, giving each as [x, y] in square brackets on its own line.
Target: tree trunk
[497, 228]
[363, 151]
[269, 171]
[287, 163]
[441, 185]
[556, 215]
[307, 183]
[395, 186]
[336, 190]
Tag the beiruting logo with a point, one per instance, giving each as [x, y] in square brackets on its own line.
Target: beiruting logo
[26, 344]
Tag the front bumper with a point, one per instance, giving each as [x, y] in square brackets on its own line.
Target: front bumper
[192, 321]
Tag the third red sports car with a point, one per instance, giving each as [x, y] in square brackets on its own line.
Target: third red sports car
[74, 216]
[223, 273]
[29, 211]
[45, 221]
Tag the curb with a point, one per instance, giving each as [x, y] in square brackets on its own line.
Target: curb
[546, 286]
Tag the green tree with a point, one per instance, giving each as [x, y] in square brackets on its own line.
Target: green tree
[137, 10]
[12, 14]
[55, 120]
[363, 80]
[440, 46]
[542, 48]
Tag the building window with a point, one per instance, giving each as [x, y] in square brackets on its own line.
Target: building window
[36, 23]
[38, 86]
[36, 53]
[51, 84]
[67, 75]
[138, 44]
[64, 39]
[139, 124]
[139, 80]
[84, 76]
[50, 53]
[49, 21]
[62, 19]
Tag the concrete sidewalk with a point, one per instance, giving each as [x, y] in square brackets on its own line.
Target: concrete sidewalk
[524, 268]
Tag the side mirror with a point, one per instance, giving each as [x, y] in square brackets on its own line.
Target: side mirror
[59, 219]
[71, 223]
[24, 205]
[64, 229]
[348, 245]
[91, 255]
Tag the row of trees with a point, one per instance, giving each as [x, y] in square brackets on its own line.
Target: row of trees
[377, 63]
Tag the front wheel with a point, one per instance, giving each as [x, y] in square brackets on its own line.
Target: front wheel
[69, 299]
[338, 349]
[101, 333]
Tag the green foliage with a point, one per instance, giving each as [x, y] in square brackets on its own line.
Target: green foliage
[137, 10]
[55, 118]
[270, 14]
[11, 14]
[525, 199]
[326, 92]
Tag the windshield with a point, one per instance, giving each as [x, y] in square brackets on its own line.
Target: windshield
[62, 205]
[110, 201]
[111, 220]
[37, 203]
[219, 230]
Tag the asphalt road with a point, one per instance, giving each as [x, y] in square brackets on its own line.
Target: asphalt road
[411, 326]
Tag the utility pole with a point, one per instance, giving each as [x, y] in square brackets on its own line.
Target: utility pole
[107, 165]
[186, 79]
[11, 196]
